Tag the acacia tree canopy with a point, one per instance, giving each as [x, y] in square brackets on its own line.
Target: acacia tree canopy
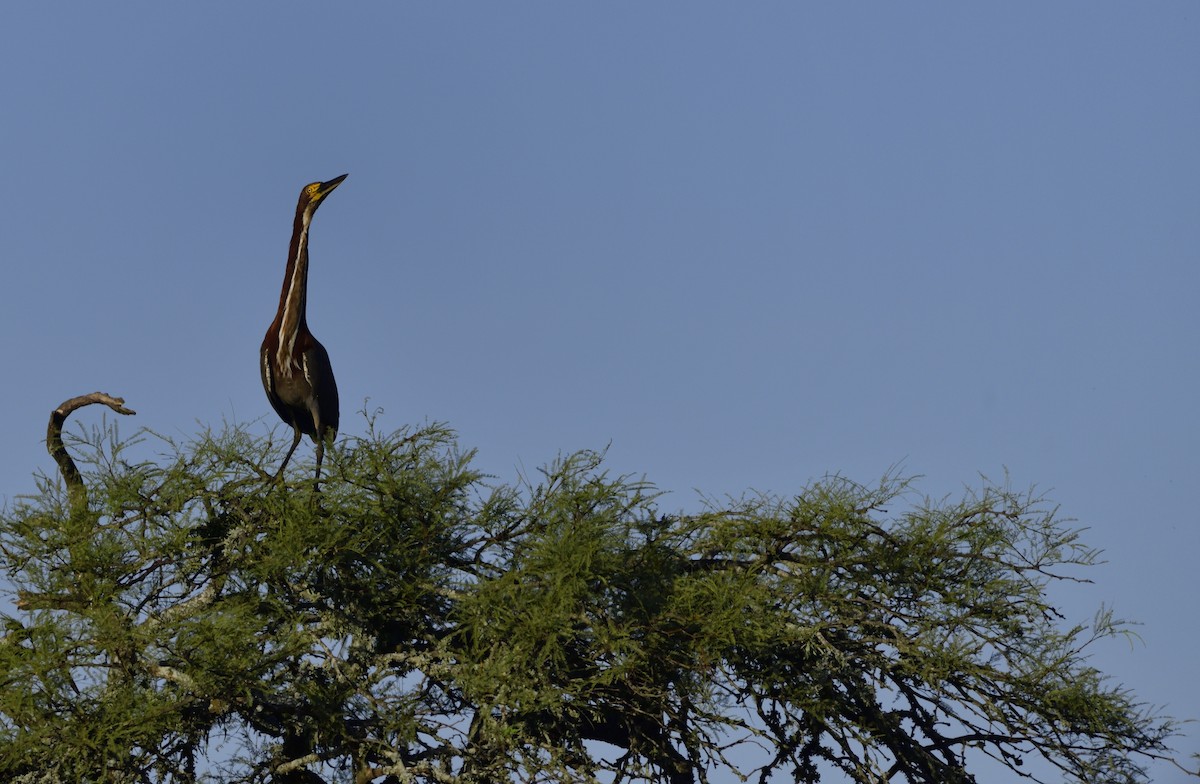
[183, 619]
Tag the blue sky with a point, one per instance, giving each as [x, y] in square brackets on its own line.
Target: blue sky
[746, 245]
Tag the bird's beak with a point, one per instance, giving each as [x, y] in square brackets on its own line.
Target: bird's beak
[327, 187]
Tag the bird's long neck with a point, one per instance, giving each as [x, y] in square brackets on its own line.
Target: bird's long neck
[293, 297]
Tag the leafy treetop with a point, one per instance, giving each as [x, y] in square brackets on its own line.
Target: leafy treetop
[183, 620]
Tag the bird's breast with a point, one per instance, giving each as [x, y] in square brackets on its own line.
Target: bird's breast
[293, 390]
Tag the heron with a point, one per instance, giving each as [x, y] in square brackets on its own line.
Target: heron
[296, 372]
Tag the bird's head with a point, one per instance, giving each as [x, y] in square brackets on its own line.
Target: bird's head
[314, 193]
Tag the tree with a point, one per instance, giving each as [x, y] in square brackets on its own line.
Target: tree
[184, 619]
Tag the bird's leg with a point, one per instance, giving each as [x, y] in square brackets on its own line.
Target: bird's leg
[318, 439]
[296, 436]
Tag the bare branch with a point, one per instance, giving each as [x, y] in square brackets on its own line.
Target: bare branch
[54, 443]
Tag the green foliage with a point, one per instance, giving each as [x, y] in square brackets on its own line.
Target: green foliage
[413, 622]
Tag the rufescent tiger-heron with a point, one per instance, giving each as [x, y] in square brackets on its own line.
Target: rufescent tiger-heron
[296, 373]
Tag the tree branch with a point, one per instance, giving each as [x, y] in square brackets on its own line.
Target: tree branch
[76, 491]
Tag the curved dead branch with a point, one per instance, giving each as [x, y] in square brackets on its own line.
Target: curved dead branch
[76, 491]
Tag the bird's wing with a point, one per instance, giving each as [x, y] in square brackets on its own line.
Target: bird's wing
[319, 373]
[268, 380]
